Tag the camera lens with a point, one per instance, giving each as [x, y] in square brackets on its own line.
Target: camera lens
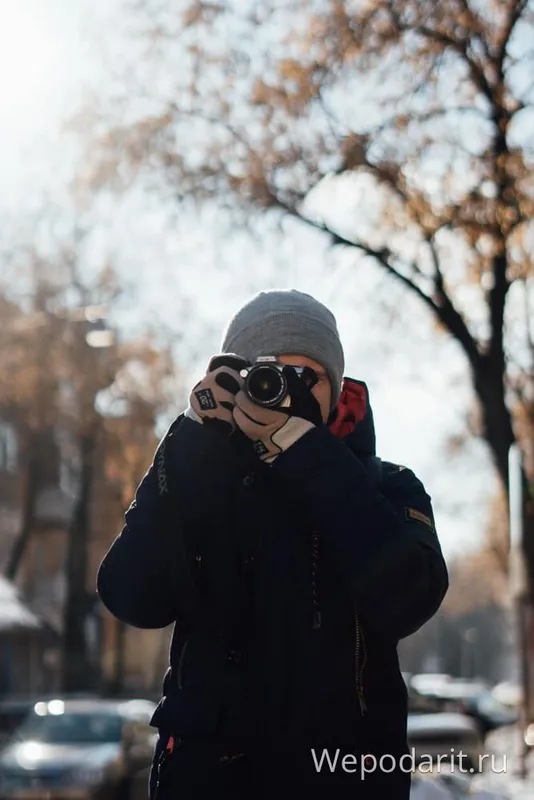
[265, 385]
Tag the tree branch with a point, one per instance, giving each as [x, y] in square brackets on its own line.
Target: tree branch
[428, 116]
[444, 310]
[477, 73]
[515, 14]
[176, 112]
[448, 315]
[476, 26]
[382, 256]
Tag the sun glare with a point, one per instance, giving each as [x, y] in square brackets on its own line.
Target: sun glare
[28, 64]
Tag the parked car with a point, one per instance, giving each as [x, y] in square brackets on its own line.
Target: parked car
[441, 737]
[429, 682]
[15, 708]
[457, 691]
[488, 712]
[449, 787]
[422, 703]
[475, 699]
[508, 693]
[78, 749]
[12, 714]
[444, 737]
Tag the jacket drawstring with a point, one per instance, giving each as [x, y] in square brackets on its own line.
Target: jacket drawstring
[360, 660]
[315, 597]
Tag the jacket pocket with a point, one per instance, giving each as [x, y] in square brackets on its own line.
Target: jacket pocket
[187, 712]
[165, 752]
[198, 767]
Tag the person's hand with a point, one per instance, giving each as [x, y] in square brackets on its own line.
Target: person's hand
[274, 430]
[212, 399]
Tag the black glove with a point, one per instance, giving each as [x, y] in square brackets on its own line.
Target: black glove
[303, 402]
[212, 399]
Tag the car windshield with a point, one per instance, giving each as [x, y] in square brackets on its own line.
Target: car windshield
[72, 728]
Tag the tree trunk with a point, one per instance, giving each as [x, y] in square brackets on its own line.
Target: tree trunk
[77, 672]
[499, 435]
[488, 380]
[29, 500]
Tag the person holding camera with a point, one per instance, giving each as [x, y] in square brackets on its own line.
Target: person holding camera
[291, 560]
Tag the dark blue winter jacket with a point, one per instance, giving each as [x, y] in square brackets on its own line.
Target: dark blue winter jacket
[306, 573]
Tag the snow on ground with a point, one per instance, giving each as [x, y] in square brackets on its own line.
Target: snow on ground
[500, 779]
[503, 747]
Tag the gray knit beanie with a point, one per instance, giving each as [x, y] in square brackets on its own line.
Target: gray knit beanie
[287, 321]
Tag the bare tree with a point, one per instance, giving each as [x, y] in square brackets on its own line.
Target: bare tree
[30, 352]
[399, 128]
[62, 355]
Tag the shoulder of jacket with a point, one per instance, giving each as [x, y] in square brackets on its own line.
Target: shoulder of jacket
[390, 468]
[399, 474]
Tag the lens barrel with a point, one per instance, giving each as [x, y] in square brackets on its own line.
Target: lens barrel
[265, 385]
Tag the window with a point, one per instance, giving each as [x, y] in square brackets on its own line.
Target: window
[8, 447]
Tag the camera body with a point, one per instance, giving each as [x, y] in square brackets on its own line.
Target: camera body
[266, 385]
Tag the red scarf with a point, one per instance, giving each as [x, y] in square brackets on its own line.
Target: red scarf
[350, 410]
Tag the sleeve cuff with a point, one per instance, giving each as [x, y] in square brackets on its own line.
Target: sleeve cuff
[319, 452]
[190, 413]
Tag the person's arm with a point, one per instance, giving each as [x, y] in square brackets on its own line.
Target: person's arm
[139, 578]
[383, 539]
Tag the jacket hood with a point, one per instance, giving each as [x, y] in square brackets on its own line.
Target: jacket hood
[352, 419]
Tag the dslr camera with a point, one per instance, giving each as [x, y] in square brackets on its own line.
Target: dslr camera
[266, 385]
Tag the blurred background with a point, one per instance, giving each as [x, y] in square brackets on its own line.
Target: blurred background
[160, 161]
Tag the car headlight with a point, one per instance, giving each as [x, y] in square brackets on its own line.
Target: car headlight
[87, 776]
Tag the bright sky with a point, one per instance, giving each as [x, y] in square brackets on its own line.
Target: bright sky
[45, 60]
[41, 66]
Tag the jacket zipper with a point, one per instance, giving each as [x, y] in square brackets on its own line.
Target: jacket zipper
[315, 597]
[360, 649]
[360, 660]
[180, 667]
[181, 664]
